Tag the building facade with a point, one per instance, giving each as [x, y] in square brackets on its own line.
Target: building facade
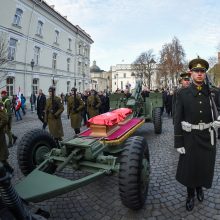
[124, 77]
[43, 47]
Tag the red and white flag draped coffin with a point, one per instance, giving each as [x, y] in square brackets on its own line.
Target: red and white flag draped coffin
[124, 114]
[105, 124]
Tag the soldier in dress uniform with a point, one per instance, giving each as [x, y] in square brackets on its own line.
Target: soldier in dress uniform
[7, 105]
[3, 146]
[93, 104]
[184, 82]
[194, 135]
[74, 110]
[53, 111]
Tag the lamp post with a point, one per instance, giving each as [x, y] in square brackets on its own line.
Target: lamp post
[152, 62]
[83, 81]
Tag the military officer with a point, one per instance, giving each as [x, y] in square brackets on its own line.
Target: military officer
[53, 111]
[7, 105]
[3, 146]
[194, 135]
[93, 104]
[74, 110]
[184, 82]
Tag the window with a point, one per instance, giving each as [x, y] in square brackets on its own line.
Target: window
[70, 44]
[35, 85]
[79, 68]
[68, 87]
[17, 17]
[56, 36]
[68, 64]
[40, 28]
[124, 75]
[12, 49]
[121, 84]
[36, 55]
[54, 61]
[79, 49]
[10, 86]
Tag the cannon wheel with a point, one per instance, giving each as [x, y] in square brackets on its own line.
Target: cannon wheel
[134, 173]
[32, 149]
[157, 120]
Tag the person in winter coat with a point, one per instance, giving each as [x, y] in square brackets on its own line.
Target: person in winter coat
[23, 104]
[93, 104]
[74, 110]
[17, 109]
[194, 136]
[33, 101]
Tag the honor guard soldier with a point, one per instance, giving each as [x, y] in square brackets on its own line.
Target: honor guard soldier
[3, 146]
[74, 110]
[7, 105]
[53, 111]
[194, 134]
[184, 82]
[93, 104]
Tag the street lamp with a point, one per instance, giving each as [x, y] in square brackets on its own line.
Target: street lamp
[32, 64]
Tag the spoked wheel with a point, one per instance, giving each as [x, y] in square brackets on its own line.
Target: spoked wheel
[32, 149]
[134, 173]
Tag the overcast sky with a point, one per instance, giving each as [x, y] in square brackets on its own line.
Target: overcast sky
[122, 29]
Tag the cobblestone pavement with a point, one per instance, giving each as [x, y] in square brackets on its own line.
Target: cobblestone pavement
[100, 199]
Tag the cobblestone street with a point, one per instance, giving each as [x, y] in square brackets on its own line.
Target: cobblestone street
[100, 199]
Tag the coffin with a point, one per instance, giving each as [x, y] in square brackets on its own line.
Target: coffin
[103, 125]
[124, 114]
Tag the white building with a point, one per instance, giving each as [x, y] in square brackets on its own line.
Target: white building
[34, 31]
[123, 77]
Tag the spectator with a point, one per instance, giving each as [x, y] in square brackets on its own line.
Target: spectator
[41, 103]
[17, 109]
[23, 104]
[33, 102]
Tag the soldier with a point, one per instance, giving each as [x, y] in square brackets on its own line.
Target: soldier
[93, 104]
[7, 105]
[3, 146]
[74, 110]
[53, 110]
[184, 82]
[194, 135]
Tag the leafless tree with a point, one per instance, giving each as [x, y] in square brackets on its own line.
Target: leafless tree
[3, 49]
[143, 66]
[172, 60]
[213, 71]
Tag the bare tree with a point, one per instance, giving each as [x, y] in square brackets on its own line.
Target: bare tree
[143, 66]
[3, 49]
[172, 60]
[213, 68]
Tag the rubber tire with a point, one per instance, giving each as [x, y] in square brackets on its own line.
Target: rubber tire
[130, 185]
[157, 120]
[27, 148]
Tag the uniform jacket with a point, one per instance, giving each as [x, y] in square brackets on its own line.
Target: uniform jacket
[3, 146]
[93, 104]
[41, 102]
[75, 114]
[196, 167]
[54, 118]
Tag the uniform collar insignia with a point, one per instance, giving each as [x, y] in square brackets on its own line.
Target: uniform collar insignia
[195, 90]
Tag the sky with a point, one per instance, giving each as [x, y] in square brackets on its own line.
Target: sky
[123, 29]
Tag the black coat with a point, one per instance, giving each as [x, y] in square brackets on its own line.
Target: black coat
[41, 103]
[196, 167]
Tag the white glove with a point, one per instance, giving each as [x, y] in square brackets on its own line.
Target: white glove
[181, 150]
[216, 124]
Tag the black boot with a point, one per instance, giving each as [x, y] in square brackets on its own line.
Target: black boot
[77, 130]
[14, 138]
[190, 199]
[200, 194]
[189, 203]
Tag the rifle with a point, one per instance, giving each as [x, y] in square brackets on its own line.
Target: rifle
[211, 90]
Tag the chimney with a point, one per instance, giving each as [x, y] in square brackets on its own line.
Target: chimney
[218, 57]
[52, 6]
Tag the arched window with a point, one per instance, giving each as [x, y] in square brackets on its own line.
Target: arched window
[54, 61]
[10, 86]
[40, 28]
[68, 64]
[57, 33]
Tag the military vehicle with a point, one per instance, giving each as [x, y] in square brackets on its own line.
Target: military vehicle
[41, 160]
[148, 107]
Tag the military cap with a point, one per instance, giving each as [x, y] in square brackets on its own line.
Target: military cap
[185, 75]
[74, 89]
[198, 63]
[4, 92]
[51, 89]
